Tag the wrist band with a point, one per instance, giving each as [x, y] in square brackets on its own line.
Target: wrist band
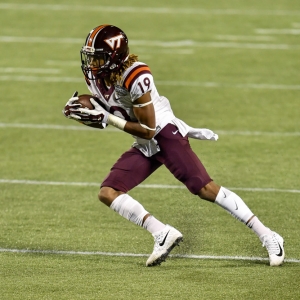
[116, 121]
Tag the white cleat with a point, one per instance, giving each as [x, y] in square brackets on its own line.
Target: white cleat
[274, 244]
[164, 242]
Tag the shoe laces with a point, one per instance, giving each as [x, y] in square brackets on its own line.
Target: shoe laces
[271, 243]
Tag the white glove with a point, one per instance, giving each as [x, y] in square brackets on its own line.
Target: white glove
[67, 111]
[96, 115]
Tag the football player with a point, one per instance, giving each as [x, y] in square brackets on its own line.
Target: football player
[130, 102]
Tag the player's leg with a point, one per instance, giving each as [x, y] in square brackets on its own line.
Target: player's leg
[231, 202]
[184, 164]
[176, 154]
[130, 170]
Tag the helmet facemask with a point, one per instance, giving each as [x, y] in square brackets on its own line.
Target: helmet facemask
[94, 64]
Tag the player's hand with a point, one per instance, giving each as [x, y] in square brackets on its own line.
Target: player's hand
[96, 115]
[71, 105]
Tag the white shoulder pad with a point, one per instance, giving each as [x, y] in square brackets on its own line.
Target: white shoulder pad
[138, 81]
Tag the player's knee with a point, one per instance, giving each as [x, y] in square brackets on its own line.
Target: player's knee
[209, 191]
[193, 184]
[107, 195]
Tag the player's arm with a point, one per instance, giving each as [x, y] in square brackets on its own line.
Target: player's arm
[144, 112]
[139, 85]
[143, 109]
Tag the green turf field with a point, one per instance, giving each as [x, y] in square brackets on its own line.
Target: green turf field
[231, 66]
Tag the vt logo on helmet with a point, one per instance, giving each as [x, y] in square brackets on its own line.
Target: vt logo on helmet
[115, 42]
[104, 51]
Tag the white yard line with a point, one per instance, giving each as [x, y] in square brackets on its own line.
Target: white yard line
[196, 44]
[43, 40]
[153, 43]
[147, 186]
[284, 31]
[123, 254]
[68, 63]
[29, 70]
[244, 38]
[40, 78]
[86, 128]
[57, 79]
[112, 129]
[56, 127]
[149, 10]
[228, 85]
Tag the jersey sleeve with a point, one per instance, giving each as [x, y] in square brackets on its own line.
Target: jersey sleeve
[138, 81]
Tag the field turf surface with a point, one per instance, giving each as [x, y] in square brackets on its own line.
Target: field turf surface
[231, 66]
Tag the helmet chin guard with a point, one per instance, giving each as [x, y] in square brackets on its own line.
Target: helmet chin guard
[107, 43]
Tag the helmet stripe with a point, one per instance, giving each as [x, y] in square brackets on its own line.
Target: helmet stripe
[91, 37]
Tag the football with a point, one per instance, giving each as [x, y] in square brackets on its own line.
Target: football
[85, 102]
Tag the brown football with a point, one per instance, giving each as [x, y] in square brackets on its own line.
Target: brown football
[85, 102]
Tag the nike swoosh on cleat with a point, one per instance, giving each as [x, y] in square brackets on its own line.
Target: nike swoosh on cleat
[164, 240]
[280, 253]
[174, 132]
[224, 194]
